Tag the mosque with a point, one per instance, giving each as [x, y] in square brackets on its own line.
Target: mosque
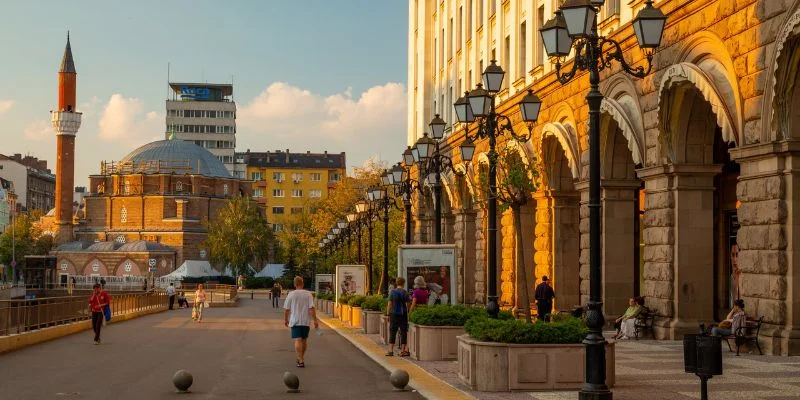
[143, 214]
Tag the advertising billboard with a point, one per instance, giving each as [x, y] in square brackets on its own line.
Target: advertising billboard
[436, 264]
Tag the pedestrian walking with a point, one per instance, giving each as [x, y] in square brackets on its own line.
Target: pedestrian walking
[98, 300]
[297, 315]
[171, 294]
[199, 303]
[544, 296]
[70, 286]
[397, 310]
[276, 295]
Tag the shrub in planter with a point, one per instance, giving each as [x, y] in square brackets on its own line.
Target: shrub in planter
[564, 331]
[356, 300]
[344, 299]
[447, 315]
[374, 303]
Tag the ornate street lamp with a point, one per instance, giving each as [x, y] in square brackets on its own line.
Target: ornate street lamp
[381, 200]
[404, 187]
[366, 214]
[593, 53]
[480, 103]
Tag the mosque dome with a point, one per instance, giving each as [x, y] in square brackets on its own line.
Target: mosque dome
[178, 156]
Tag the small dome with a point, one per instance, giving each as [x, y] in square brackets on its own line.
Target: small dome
[180, 157]
[74, 246]
[103, 246]
[142, 246]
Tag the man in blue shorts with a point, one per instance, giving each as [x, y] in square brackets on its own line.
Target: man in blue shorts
[297, 315]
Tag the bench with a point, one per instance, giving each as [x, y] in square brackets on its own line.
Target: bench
[644, 323]
[745, 334]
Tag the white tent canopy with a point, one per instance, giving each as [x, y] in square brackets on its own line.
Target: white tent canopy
[192, 269]
[271, 271]
[229, 271]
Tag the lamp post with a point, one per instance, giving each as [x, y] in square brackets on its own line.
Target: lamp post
[478, 106]
[343, 226]
[364, 209]
[355, 224]
[574, 27]
[426, 153]
[381, 200]
[404, 187]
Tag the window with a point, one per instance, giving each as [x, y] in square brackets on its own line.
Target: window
[450, 40]
[315, 193]
[123, 215]
[277, 228]
[316, 176]
[277, 193]
[128, 267]
[297, 177]
[225, 189]
[120, 239]
[479, 21]
[258, 193]
[127, 187]
[257, 176]
[334, 177]
[539, 49]
[277, 210]
[297, 192]
[277, 177]
[459, 27]
[296, 228]
[296, 210]
[521, 56]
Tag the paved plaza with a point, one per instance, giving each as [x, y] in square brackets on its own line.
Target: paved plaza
[236, 353]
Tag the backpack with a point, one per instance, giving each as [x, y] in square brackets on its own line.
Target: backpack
[399, 300]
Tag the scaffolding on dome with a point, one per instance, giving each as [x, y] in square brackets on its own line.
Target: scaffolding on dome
[147, 167]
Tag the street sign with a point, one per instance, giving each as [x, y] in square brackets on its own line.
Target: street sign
[152, 262]
[13, 263]
[153, 269]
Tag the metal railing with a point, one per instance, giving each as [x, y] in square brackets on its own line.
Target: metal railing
[20, 316]
[215, 292]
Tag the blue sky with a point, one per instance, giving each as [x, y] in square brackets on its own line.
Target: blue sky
[308, 75]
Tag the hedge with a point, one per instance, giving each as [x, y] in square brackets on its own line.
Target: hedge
[567, 331]
[343, 299]
[447, 315]
[374, 303]
[258, 283]
[356, 300]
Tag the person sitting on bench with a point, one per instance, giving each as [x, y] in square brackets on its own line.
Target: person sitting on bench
[736, 319]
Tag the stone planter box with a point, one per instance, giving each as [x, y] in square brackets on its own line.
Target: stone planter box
[371, 321]
[355, 317]
[383, 329]
[501, 367]
[329, 307]
[337, 310]
[433, 343]
[344, 313]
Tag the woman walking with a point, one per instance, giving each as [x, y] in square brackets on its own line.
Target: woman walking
[70, 286]
[98, 300]
[199, 303]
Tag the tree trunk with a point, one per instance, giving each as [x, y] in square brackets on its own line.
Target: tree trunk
[522, 276]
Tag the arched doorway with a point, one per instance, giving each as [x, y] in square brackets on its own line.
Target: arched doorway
[557, 232]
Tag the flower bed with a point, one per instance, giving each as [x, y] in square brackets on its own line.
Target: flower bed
[498, 355]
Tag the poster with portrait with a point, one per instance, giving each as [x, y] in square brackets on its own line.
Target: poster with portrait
[323, 283]
[350, 279]
[436, 264]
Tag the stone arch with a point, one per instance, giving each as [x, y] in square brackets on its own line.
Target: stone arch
[679, 76]
[569, 143]
[632, 131]
[89, 268]
[122, 267]
[778, 69]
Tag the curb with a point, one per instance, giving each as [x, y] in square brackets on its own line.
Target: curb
[425, 383]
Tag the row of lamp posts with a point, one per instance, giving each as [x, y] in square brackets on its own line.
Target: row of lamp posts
[572, 31]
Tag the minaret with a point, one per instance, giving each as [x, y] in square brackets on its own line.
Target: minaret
[66, 123]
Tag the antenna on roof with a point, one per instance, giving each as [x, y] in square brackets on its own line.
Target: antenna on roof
[168, 80]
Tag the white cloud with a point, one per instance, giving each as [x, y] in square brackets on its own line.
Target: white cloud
[38, 131]
[284, 116]
[5, 105]
[125, 121]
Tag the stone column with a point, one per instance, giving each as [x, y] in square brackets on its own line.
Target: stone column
[618, 243]
[506, 260]
[480, 256]
[543, 242]
[566, 249]
[464, 234]
[769, 220]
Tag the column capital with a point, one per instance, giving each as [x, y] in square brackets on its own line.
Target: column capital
[647, 173]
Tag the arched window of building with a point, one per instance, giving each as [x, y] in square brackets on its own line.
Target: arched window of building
[120, 239]
[127, 187]
[225, 189]
[179, 186]
[128, 267]
[123, 214]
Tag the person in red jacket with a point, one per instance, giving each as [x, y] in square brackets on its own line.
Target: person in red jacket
[97, 302]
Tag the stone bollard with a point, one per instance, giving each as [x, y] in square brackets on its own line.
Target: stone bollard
[292, 382]
[399, 379]
[182, 380]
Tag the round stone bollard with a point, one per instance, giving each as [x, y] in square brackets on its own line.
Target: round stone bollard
[292, 382]
[182, 380]
[399, 379]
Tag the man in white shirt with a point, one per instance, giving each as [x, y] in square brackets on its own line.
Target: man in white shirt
[171, 294]
[297, 315]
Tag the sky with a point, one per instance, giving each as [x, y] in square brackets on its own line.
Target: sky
[308, 75]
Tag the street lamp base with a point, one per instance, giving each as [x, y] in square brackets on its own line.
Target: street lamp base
[595, 394]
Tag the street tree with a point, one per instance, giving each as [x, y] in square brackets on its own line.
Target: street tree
[24, 238]
[240, 236]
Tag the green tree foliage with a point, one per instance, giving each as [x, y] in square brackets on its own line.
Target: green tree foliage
[240, 236]
[27, 239]
[516, 181]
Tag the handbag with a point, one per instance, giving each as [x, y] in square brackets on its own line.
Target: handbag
[107, 312]
[194, 313]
